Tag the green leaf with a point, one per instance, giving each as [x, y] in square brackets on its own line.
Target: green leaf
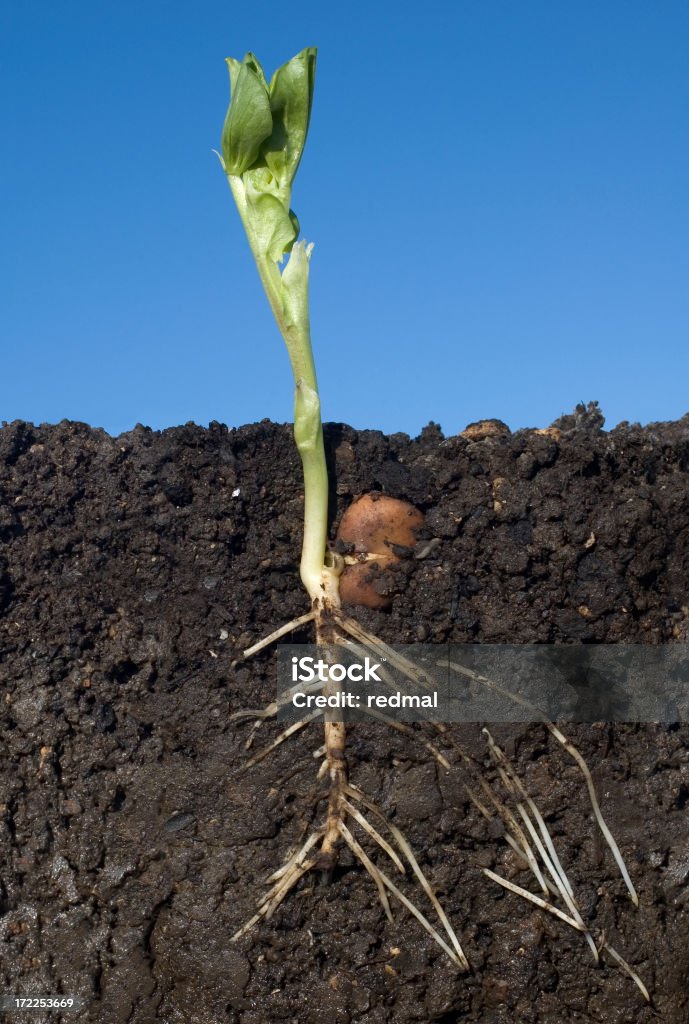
[274, 227]
[272, 223]
[254, 63]
[291, 96]
[295, 285]
[249, 121]
[233, 66]
[307, 417]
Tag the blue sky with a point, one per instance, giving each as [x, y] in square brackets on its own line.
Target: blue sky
[497, 193]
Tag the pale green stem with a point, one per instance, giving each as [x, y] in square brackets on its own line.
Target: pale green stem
[290, 309]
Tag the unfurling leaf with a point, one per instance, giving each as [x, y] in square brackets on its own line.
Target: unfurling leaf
[249, 121]
[291, 96]
[307, 416]
[262, 143]
[272, 226]
[254, 63]
[295, 284]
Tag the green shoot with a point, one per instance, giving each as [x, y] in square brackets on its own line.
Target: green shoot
[262, 143]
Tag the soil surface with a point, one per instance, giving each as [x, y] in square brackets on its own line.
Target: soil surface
[133, 572]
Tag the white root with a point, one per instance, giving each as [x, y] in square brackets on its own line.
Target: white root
[284, 735]
[373, 871]
[404, 846]
[407, 731]
[344, 796]
[374, 834]
[543, 904]
[593, 797]
[461, 963]
[275, 896]
[572, 751]
[549, 856]
[289, 627]
[339, 807]
[289, 864]
[627, 970]
[514, 835]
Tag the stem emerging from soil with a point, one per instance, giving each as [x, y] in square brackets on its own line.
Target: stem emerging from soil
[262, 143]
[287, 293]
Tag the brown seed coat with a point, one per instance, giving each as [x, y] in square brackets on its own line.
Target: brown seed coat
[374, 528]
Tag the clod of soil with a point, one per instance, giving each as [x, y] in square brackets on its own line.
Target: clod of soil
[133, 572]
[377, 530]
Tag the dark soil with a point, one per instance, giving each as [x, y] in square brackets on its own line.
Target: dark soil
[135, 569]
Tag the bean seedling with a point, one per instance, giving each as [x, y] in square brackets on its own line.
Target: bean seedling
[262, 144]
